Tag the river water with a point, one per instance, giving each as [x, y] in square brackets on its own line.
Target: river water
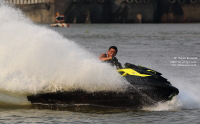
[34, 57]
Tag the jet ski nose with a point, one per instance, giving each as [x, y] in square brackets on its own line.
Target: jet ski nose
[172, 95]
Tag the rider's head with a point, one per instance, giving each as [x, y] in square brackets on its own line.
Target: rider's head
[112, 51]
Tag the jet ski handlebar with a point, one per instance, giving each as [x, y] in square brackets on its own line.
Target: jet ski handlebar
[114, 62]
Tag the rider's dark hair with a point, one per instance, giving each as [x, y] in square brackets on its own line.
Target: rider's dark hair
[113, 47]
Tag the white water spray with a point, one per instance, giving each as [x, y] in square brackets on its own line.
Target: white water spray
[189, 91]
[36, 59]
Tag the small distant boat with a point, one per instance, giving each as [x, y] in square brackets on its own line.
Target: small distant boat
[60, 25]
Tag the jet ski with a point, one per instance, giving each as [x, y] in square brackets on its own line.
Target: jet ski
[147, 87]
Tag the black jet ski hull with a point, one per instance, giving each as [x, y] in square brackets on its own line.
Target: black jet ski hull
[147, 87]
[157, 93]
[137, 97]
[109, 99]
[157, 88]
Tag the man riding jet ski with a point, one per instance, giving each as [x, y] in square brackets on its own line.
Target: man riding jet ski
[147, 87]
[146, 80]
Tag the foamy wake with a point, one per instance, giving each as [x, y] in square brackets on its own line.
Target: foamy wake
[173, 105]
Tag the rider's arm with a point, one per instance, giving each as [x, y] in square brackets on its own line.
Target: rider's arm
[103, 57]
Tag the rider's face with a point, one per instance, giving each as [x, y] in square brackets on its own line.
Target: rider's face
[112, 52]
